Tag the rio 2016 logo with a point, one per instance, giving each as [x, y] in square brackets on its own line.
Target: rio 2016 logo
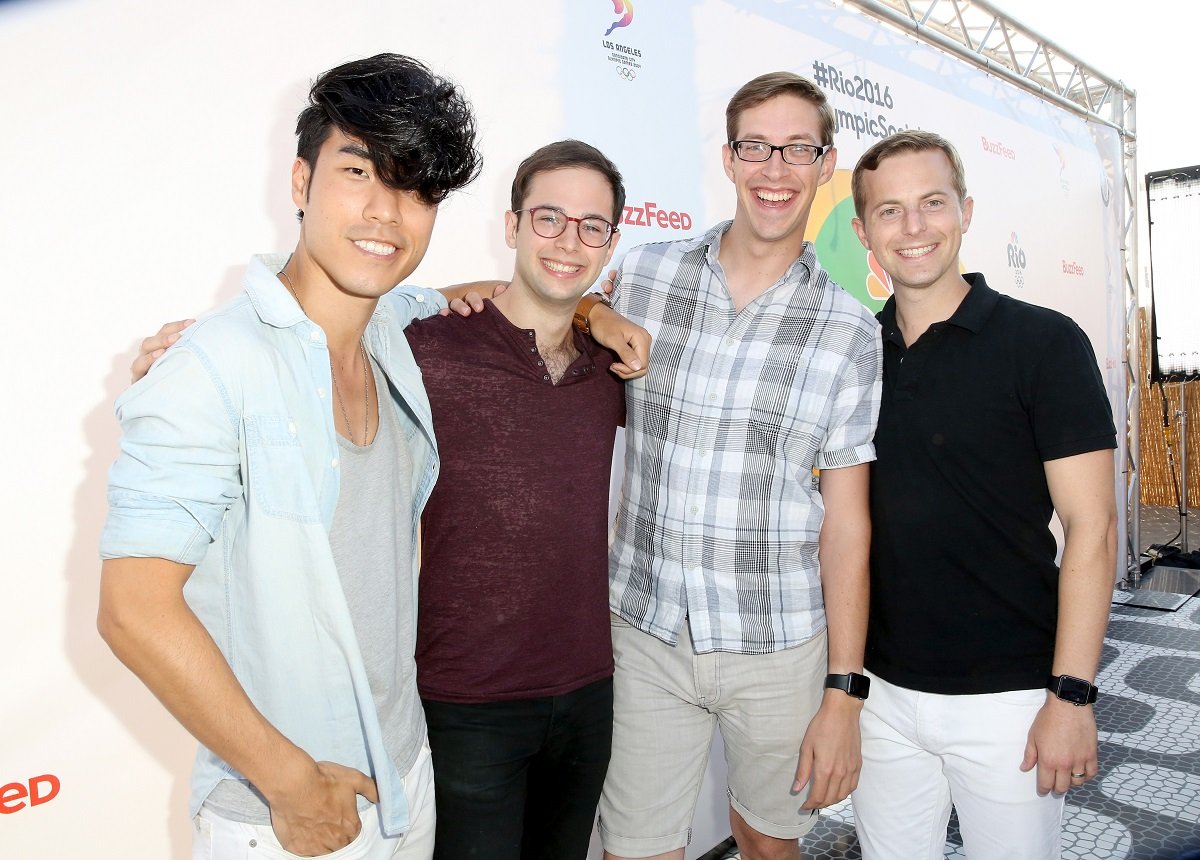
[624, 8]
[1017, 260]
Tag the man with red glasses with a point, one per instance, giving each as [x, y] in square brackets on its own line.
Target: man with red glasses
[514, 661]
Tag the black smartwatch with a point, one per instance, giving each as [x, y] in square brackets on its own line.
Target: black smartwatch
[1070, 689]
[852, 684]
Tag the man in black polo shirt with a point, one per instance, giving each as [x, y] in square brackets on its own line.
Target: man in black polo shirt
[993, 417]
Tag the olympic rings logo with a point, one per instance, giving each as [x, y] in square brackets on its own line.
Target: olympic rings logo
[626, 72]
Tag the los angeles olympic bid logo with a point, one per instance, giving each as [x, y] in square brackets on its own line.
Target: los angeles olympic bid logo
[624, 8]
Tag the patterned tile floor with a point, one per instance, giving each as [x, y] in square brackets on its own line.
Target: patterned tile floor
[1146, 803]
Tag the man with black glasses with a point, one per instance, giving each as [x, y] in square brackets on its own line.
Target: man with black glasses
[738, 581]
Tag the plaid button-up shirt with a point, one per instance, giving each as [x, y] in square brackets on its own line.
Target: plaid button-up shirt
[720, 510]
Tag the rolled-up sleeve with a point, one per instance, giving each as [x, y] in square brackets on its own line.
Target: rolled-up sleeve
[413, 303]
[855, 410]
[179, 466]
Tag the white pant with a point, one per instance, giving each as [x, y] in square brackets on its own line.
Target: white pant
[216, 838]
[923, 752]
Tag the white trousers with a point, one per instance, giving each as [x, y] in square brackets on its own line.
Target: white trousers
[923, 752]
[216, 838]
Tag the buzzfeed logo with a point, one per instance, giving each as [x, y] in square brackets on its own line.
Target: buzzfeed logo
[997, 148]
[38, 790]
[650, 215]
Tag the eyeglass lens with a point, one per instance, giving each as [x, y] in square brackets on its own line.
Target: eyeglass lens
[550, 224]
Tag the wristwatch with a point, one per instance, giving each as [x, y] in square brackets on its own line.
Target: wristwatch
[1071, 689]
[852, 684]
[589, 301]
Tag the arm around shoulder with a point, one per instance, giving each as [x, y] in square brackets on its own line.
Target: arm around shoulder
[610, 329]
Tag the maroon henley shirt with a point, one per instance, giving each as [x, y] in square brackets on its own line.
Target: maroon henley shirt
[514, 566]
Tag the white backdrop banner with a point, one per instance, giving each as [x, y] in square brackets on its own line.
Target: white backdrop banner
[146, 155]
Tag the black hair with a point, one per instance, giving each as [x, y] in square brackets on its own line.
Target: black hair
[417, 127]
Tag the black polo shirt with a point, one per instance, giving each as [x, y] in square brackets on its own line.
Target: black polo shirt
[964, 586]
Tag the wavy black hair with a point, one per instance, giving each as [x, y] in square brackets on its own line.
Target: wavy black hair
[417, 127]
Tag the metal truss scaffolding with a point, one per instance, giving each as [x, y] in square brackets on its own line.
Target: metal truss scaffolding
[986, 37]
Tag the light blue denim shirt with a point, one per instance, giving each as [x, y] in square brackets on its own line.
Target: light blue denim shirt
[229, 461]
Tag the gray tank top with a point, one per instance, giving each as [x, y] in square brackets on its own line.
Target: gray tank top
[372, 548]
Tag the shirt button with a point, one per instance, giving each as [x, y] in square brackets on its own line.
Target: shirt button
[292, 428]
[314, 335]
[695, 510]
[334, 462]
[546, 377]
[420, 297]
[529, 333]
[321, 393]
[713, 397]
[541, 363]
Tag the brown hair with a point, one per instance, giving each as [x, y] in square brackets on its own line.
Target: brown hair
[900, 142]
[768, 86]
[568, 153]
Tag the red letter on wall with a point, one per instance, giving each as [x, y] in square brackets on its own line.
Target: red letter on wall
[11, 797]
[36, 796]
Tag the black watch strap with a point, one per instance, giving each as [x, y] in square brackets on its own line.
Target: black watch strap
[1071, 689]
[852, 684]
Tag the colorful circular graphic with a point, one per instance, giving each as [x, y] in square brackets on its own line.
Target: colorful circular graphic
[838, 248]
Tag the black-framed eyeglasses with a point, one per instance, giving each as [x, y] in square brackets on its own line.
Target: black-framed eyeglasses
[792, 153]
[550, 223]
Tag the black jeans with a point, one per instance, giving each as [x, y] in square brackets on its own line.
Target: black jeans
[520, 780]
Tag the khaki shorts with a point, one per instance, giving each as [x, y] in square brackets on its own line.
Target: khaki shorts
[667, 701]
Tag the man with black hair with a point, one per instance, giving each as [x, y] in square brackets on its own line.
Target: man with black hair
[257, 576]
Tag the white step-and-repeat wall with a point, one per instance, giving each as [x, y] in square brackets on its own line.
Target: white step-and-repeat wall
[145, 154]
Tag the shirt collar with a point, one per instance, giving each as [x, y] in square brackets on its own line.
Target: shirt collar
[972, 312]
[274, 303]
[977, 304]
[712, 238]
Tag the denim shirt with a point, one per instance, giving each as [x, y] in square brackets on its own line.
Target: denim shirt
[229, 461]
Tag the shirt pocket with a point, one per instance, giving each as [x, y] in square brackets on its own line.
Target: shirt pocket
[279, 481]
